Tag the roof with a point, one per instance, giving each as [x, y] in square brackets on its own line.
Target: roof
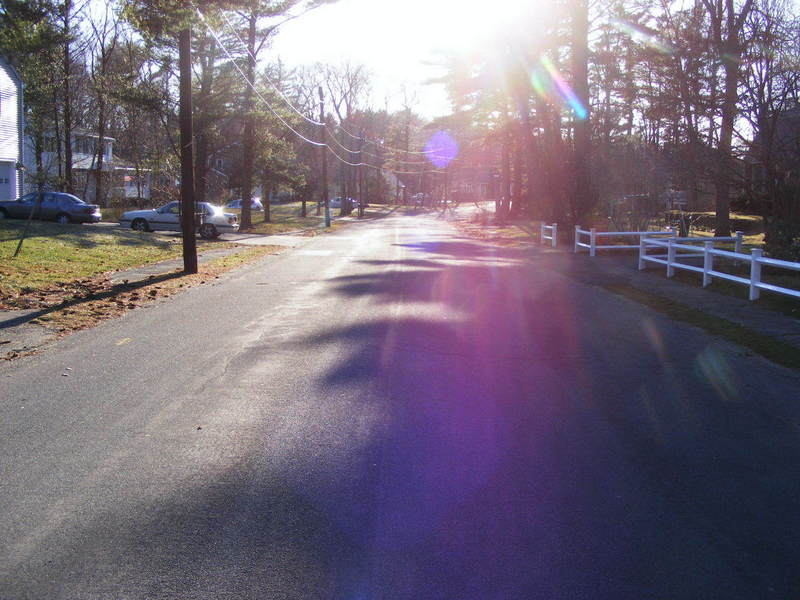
[87, 163]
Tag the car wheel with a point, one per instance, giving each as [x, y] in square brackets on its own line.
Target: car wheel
[140, 225]
[208, 231]
[63, 218]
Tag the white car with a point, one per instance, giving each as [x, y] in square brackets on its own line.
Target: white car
[168, 218]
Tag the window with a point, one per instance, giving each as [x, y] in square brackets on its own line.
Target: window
[219, 163]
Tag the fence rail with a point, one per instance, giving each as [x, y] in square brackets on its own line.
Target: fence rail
[681, 248]
[552, 230]
[592, 236]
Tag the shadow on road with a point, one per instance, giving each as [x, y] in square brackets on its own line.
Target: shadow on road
[506, 434]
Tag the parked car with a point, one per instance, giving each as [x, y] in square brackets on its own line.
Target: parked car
[337, 202]
[255, 204]
[168, 218]
[54, 206]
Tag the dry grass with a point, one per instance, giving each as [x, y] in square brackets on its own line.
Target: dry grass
[83, 303]
[54, 253]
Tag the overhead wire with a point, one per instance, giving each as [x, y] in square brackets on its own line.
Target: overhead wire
[289, 103]
[216, 37]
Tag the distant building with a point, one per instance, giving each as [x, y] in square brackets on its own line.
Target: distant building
[121, 180]
[780, 142]
[12, 125]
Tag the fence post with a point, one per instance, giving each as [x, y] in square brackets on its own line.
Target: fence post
[738, 247]
[592, 241]
[670, 258]
[642, 250]
[755, 272]
[541, 233]
[708, 263]
[577, 237]
[555, 235]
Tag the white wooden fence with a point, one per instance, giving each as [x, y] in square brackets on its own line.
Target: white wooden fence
[682, 248]
[552, 230]
[592, 236]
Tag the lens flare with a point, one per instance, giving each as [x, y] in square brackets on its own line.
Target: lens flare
[643, 37]
[564, 90]
[441, 149]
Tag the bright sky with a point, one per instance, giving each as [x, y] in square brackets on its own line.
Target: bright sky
[398, 41]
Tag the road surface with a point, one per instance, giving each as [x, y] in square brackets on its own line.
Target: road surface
[394, 411]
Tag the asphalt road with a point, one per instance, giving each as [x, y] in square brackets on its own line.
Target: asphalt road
[392, 411]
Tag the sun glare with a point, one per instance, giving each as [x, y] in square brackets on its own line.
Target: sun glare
[459, 25]
[402, 41]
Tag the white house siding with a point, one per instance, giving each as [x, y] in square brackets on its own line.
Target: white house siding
[10, 131]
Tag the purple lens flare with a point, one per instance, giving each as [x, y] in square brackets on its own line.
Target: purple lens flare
[441, 149]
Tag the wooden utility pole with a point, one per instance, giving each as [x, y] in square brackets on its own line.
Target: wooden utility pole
[187, 158]
[67, 75]
[361, 198]
[324, 149]
[408, 127]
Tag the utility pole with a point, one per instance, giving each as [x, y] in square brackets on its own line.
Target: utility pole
[445, 194]
[187, 158]
[408, 127]
[324, 149]
[361, 198]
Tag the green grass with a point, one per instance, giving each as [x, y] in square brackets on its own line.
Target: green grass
[54, 253]
[769, 347]
[285, 218]
[778, 302]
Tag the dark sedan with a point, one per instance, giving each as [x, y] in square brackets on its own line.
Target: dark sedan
[54, 206]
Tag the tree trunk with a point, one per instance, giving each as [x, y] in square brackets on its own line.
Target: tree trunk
[248, 141]
[266, 197]
[583, 193]
[101, 131]
[505, 195]
[725, 161]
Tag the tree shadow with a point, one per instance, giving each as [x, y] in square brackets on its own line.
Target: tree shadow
[90, 297]
[541, 441]
[465, 250]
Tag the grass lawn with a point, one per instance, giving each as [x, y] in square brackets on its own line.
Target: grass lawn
[286, 217]
[54, 253]
[774, 349]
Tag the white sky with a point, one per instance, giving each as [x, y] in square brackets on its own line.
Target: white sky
[397, 40]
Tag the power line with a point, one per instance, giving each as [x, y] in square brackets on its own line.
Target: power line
[283, 121]
[310, 120]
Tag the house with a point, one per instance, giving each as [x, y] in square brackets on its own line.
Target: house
[11, 128]
[121, 181]
[779, 144]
